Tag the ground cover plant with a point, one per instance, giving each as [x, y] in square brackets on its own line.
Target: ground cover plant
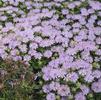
[50, 49]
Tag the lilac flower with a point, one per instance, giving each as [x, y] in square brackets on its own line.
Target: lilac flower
[27, 58]
[38, 55]
[17, 58]
[46, 88]
[99, 80]
[77, 3]
[85, 89]
[50, 96]
[65, 11]
[75, 30]
[84, 72]
[89, 78]
[73, 77]
[14, 52]
[96, 87]
[71, 51]
[78, 38]
[98, 40]
[95, 5]
[96, 73]
[23, 48]
[64, 90]
[91, 37]
[80, 96]
[98, 52]
[71, 5]
[99, 23]
[54, 86]
[46, 71]
[48, 54]
[33, 46]
[90, 11]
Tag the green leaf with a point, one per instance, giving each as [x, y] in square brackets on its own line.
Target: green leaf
[1, 3]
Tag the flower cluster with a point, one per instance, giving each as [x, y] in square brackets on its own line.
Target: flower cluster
[66, 33]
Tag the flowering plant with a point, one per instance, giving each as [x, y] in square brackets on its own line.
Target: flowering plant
[50, 49]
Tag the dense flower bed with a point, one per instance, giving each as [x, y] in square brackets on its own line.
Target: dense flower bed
[50, 49]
